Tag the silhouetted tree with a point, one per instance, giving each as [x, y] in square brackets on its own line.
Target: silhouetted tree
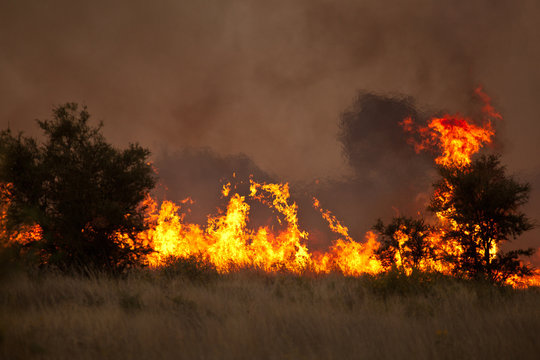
[405, 237]
[482, 207]
[81, 191]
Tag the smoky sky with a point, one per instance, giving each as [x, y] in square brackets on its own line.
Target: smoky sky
[276, 81]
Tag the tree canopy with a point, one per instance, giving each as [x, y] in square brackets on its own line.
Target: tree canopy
[79, 189]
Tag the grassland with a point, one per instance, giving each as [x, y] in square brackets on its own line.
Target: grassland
[250, 315]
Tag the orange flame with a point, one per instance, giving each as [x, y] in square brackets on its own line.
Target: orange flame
[228, 243]
[350, 257]
[333, 223]
[457, 138]
[26, 234]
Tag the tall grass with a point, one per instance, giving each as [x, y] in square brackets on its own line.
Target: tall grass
[252, 315]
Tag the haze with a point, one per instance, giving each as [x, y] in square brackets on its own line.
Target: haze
[271, 80]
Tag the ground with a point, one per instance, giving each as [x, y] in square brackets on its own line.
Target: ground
[250, 315]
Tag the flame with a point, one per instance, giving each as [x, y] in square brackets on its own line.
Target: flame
[226, 189]
[456, 137]
[524, 282]
[228, 242]
[350, 257]
[25, 234]
[167, 224]
[333, 223]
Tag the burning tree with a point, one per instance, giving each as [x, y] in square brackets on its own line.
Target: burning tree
[404, 243]
[79, 190]
[479, 206]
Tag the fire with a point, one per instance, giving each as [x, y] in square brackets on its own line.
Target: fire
[27, 234]
[228, 242]
[333, 223]
[167, 224]
[457, 138]
[351, 258]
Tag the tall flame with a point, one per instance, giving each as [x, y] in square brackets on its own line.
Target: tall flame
[456, 137]
[228, 242]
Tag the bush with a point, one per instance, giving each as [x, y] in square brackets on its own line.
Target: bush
[80, 190]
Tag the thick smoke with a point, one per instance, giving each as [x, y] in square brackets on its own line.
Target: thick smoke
[389, 177]
[375, 145]
[265, 79]
[270, 80]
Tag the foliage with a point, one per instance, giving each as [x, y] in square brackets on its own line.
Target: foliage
[79, 189]
[482, 206]
[404, 238]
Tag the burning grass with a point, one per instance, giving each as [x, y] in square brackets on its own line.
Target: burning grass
[229, 291]
[186, 311]
[463, 242]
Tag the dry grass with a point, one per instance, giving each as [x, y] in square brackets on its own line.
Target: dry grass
[156, 315]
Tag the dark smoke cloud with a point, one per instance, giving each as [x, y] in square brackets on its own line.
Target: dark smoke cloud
[389, 177]
[375, 144]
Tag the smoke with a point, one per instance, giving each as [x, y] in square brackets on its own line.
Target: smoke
[374, 142]
[271, 79]
[389, 178]
[200, 174]
[267, 80]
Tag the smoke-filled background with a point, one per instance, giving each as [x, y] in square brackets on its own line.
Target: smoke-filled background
[306, 91]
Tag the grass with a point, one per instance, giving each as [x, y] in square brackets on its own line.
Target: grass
[251, 315]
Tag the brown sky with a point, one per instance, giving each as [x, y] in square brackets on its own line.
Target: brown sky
[269, 79]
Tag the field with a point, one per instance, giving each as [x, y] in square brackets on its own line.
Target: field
[251, 315]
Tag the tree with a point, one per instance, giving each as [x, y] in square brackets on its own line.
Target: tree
[403, 242]
[481, 208]
[80, 190]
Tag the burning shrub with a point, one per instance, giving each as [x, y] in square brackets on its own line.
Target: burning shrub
[80, 192]
[479, 207]
[404, 242]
